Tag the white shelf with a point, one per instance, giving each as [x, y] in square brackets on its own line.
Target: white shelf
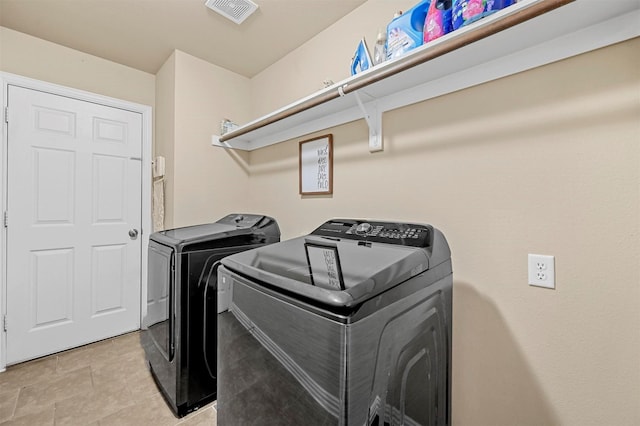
[566, 31]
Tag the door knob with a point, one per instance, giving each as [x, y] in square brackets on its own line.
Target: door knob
[133, 234]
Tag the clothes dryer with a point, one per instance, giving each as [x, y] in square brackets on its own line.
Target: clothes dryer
[179, 333]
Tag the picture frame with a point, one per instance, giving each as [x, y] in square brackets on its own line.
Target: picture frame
[325, 270]
[315, 160]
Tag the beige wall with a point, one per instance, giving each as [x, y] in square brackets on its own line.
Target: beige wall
[208, 182]
[32, 57]
[548, 162]
[326, 56]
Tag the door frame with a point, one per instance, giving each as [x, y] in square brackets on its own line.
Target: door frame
[7, 79]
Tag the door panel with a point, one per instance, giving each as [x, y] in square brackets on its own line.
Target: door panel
[109, 194]
[74, 192]
[51, 287]
[54, 186]
[108, 287]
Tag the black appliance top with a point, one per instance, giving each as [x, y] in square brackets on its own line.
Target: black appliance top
[345, 262]
[232, 225]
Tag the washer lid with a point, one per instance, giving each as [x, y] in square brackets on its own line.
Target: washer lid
[334, 272]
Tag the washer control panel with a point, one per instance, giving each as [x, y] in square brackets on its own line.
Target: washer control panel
[382, 232]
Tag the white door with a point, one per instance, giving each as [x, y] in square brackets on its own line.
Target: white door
[73, 199]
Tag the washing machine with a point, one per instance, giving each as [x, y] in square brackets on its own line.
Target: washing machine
[179, 333]
[349, 325]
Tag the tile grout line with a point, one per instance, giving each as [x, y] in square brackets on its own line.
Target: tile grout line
[15, 404]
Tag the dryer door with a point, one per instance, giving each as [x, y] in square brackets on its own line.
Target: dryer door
[160, 317]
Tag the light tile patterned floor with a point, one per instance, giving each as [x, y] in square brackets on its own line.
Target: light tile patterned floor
[105, 383]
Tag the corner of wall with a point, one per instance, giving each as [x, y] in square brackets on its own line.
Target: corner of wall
[165, 130]
[209, 182]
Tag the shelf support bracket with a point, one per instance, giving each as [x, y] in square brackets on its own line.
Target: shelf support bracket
[373, 117]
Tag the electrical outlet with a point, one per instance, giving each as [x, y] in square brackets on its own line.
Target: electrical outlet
[542, 271]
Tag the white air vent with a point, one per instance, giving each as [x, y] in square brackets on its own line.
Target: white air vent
[235, 10]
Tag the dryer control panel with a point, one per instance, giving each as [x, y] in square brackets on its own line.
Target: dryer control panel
[381, 232]
[241, 220]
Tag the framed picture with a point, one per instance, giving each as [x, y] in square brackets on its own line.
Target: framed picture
[316, 166]
[324, 265]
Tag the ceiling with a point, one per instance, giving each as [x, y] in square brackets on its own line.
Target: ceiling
[143, 33]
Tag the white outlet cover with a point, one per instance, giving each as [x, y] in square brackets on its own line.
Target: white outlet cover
[542, 271]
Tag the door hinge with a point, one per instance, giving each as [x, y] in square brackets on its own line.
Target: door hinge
[4, 323]
[5, 219]
[6, 114]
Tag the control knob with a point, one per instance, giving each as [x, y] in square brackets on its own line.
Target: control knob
[363, 228]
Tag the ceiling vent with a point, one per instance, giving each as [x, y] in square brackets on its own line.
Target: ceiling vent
[235, 10]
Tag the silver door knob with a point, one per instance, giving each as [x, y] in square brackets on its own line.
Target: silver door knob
[133, 234]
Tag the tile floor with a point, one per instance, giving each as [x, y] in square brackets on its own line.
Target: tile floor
[102, 384]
